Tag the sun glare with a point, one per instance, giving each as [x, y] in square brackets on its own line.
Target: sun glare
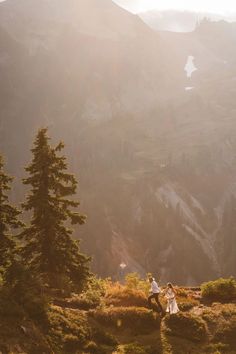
[216, 6]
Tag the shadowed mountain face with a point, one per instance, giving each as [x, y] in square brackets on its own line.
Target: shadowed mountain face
[154, 149]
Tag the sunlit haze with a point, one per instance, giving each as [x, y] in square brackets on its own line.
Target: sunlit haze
[216, 6]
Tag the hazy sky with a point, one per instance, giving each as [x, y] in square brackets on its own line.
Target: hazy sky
[215, 6]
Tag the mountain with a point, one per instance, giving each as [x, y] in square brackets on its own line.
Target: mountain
[78, 68]
[153, 148]
[100, 19]
[179, 21]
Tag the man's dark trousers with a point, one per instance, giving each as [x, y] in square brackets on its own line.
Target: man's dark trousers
[156, 297]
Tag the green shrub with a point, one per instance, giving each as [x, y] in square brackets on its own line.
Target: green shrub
[182, 292]
[210, 317]
[71, 343]
[228, 310]
[134, 282]
[227, 333]
[91, 347]
[186, 325]
[186, 304]
[220, 347]
[67, 328]
[91, 297]
[8, 307]
[17, 328]
[134, 348]
[86, 301]
[36, 307]
[219, 290]
[102, 337]
[25, 289]
[137, 319]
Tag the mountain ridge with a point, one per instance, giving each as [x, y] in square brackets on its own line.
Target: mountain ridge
[180, 21]
[134, 134]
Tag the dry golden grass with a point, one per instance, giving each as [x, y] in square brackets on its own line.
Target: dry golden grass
[136, 319]
[119, 295]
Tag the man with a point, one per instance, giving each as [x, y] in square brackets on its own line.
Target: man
[155, 291]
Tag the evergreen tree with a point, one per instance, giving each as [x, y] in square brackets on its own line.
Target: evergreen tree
[8, 220]
[48, 247]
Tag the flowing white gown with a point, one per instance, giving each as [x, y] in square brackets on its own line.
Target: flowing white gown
[172, 306]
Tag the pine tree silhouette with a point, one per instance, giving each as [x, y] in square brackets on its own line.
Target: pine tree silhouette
[49, 249]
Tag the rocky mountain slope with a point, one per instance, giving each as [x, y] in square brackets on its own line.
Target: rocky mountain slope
[154, 149]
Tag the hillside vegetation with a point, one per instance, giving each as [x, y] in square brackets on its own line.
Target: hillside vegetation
[113, 318]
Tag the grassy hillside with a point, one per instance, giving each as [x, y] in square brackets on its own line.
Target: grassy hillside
[113, 318]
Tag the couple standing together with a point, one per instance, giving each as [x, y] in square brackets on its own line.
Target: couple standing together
[170, 293]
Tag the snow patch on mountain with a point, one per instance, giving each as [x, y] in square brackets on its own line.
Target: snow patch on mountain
[189, 88]
[190, 66]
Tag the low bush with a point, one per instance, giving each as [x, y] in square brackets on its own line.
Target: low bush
[123, 296]
[8, 307]
[186, 325]
[134, 282]
[186, 304]
[182, 292]
[85, 301]
[228, 310]
[210, 317]
[93, 348]
[133, 348]
[217, 347]
[221, 322]
[18, 333]
[103, 337]
[25, 289]
[219, 290]
[137, 319]
[71, 343]
[67, 329]
[227, 334]
[91, 297]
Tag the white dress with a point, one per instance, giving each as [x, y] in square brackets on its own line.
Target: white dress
[172, 306]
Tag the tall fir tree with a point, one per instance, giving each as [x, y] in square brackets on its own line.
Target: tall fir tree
[9, 221]
[49, 249]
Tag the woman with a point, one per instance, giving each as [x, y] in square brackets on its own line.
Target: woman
[172, 306]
